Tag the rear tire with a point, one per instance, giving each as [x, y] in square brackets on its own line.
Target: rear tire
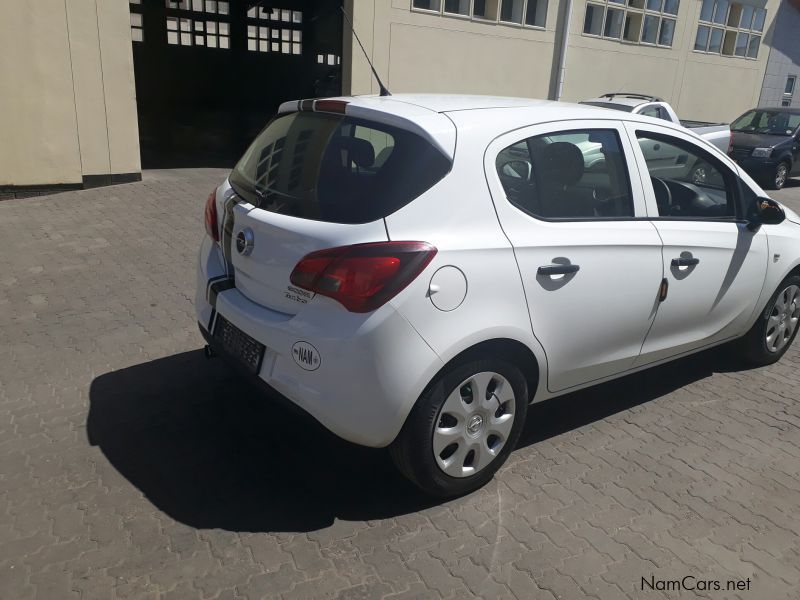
[458, 433]
[776, 327]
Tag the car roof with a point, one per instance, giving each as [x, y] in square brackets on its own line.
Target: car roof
[786, 109]
[447, 103]
[427, 114]
[453, 102]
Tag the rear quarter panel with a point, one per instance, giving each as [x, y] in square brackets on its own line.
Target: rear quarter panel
[457, 216]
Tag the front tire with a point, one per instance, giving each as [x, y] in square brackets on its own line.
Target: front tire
[463, 427]
[779, 176]
[776, 327]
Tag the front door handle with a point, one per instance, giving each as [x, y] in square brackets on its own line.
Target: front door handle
[685, 262]
[558, 269]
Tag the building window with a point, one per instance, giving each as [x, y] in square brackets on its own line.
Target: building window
[190, 23]
[216, 7]
[329, 59]
[730, 29]
[137, 20]
[788, 91]
[275, 15]
[191, 32]
[637, 21]
[530, 13]
[270, 30]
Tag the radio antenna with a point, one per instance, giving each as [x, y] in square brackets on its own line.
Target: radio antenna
[381, 87]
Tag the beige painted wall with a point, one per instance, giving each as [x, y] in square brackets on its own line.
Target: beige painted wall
[416, 51]
[67, 96]
[699, 86]
[420, 52]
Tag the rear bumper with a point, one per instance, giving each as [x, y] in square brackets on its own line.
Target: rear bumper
[372, 366]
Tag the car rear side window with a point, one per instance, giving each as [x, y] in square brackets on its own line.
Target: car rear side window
[335, 168]
[578, 174]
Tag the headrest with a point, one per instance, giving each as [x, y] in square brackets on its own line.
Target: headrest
[361, 152]
[562, 163]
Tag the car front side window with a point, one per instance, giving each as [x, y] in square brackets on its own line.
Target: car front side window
[577, 174]
[687, 181]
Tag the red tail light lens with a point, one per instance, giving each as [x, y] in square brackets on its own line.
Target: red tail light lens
[212, 224]
[363, 277]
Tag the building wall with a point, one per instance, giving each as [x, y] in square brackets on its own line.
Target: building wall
[699, 86]
[415, 51]
[68, 107]
[784, 57]
[420, 52]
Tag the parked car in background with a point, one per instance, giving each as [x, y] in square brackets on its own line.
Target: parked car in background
[766, 143]
[414, 270]
[718, 134]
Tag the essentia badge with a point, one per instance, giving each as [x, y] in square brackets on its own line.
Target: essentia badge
[306, 356]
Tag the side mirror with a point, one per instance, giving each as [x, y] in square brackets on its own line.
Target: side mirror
[766, 212]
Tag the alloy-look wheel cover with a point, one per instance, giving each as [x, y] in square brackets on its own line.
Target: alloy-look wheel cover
[473, 424]
[780, 175]
[783, 318]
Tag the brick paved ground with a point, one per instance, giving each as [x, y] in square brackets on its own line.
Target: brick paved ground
[130, 467]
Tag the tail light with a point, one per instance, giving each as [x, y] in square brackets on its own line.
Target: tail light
[363, 277]
[212, 224]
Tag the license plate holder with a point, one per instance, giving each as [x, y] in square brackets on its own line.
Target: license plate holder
[237, 344]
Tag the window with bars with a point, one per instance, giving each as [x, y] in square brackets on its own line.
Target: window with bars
[216, 7]
[788, 91]
[272, 30]
[531, 13]
[271, 39]
[329, 59]
[137, 26]
[283, 15]
[198, 32]
[647, 22]
[730, 29]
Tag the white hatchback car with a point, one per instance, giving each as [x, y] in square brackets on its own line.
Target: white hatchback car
[414, 270]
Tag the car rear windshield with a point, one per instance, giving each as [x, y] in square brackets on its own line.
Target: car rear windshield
[335, 168]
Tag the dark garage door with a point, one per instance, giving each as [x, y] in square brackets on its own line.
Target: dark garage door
[210, 73]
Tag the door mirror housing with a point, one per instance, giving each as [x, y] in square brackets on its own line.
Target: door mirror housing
[766, 212]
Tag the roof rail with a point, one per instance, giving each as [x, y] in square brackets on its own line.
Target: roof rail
[647, 97]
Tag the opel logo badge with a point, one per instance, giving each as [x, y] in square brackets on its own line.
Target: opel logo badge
[245, 240]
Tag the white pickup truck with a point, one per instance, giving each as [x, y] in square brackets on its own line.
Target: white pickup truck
[718, 134]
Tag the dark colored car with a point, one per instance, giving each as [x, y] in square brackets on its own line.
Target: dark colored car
[766, 143]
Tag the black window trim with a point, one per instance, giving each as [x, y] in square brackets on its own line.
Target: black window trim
[732, 178]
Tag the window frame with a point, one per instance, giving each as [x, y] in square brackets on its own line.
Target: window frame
[723, 164]
[643, 12]
[516, 136]
[478, 19]
[788, 96]
[727, 29]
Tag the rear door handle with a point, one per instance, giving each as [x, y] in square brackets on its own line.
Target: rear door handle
[685, 262]
[558, 269]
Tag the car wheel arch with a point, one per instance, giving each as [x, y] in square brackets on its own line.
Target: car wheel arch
[515, 351]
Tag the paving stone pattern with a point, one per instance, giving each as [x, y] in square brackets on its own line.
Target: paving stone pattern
[131, 467]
